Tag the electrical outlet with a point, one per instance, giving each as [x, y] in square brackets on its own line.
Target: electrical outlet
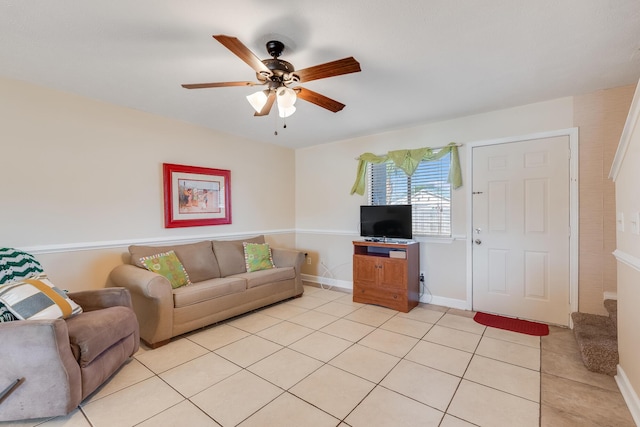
[422, 276]
[308, 260]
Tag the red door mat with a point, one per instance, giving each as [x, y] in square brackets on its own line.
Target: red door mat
[511, 324]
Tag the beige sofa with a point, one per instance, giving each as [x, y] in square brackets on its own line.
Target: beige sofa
[221, 288]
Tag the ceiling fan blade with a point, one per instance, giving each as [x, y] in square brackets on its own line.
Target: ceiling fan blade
[242, 52]
[220, 84]
[319, 100]
[329, 69]
[267, 107]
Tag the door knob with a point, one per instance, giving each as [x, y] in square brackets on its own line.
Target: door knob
[478, 241]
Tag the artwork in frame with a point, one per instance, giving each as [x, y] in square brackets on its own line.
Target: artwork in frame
[196, 196]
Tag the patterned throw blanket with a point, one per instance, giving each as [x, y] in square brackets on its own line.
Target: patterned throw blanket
[15, 265]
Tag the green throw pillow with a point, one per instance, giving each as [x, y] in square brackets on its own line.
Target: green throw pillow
[168, 265]
[257, 256]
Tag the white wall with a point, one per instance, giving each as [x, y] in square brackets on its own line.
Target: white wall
[82, 179]
[626, 174]
[76, 173]
[327, 215]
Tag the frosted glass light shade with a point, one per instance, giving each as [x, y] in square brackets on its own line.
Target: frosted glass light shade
[286, 97]
[257, 100]
[286, 112]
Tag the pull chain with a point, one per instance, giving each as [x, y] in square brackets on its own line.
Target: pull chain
[275, 132]
[284, 121]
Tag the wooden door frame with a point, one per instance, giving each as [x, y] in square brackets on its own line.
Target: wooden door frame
[572, 133]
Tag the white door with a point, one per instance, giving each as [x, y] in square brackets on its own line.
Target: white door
[521, 229]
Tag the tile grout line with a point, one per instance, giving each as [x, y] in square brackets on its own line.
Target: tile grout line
[352, 344]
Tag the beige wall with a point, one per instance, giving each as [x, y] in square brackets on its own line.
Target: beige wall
[78, 173]
[600, 117]
[626, 174]
[83, 179]
[628, 342]
[327, 215]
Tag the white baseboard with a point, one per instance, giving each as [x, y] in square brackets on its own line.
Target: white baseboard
[327, 281]
[445, 302]
[629, 394]
[611, 295]
[348, 286]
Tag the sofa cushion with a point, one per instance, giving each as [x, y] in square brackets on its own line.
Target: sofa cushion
[168, 265]
[206, 290]
[263, 277]
[198, 258]
[257, 256]
[93, 332]
[230, 255]
[37, 298]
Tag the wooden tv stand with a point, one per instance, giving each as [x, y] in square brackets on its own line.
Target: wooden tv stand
[387, 274]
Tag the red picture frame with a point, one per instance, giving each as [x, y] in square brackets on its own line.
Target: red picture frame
[196, 196]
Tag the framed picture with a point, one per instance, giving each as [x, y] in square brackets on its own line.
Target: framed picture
[196, 196]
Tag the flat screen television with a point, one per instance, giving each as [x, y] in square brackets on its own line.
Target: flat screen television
[386, 221]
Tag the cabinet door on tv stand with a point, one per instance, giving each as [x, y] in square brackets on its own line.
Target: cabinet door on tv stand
[393, 273]
[365, 269]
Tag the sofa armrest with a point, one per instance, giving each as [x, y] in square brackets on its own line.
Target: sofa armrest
[101, 298]
[140, 282]
[290, 258]
[39, 352]
[287, 258]
[152, 299]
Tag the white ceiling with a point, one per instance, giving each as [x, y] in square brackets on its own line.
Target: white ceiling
[422, 60]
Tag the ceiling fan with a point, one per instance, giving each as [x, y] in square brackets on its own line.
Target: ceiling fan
[278, 75]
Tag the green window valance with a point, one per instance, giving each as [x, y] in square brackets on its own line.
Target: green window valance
[408, 161]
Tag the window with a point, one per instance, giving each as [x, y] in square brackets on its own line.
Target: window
[426, 190]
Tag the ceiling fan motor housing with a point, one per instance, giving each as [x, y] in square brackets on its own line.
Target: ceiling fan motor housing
[281, 71]
[275, 48]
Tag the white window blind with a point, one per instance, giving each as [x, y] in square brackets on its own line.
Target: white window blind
[427, 191]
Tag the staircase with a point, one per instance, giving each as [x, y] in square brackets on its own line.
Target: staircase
[597, 338]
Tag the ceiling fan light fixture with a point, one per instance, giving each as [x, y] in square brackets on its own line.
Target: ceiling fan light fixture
[258, 100]
[286, 112]
[286, 97]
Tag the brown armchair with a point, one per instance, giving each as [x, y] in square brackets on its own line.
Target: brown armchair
[61, 362]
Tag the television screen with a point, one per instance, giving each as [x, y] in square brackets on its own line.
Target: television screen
[386, 221]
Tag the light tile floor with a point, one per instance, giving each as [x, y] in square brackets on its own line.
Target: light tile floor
[322, 360]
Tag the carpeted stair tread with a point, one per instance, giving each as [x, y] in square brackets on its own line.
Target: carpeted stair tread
[586, 320]
[597, 339]
[600, 354]
[611, 306]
